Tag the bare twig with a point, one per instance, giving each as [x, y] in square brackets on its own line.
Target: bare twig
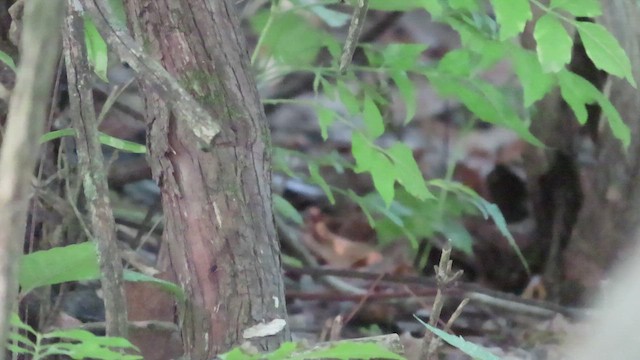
[355, 28]
[444, 278]
[136, 325]
[91, 163]
[39, 50]
[364, 299]
[477, 293]
[456, 314]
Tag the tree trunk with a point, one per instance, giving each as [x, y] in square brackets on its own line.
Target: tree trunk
[592, 207]
[607, 223]
[217, 204]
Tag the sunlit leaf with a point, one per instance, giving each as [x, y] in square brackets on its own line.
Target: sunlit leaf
[403, 5]
[352, 350]
[8, 60]
[512, 16]
[553, 43]
[407, 171]
[122, 145]
[535, 82]
[456, 62]
[605, 51]
[58, 265]
[291, 39]
[97, 53]
[372, 118]
[402, 56]
[407, 91]
[577, 92]
[578, 8]
[483, 99]
[468, 5]
[383, 175]
[108, 140]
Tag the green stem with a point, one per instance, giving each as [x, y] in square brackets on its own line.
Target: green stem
[264, 31]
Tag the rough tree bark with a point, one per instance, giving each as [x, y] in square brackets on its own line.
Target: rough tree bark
[217, 204]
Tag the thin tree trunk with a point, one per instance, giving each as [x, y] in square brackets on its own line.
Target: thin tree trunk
[94, 180]
[39, 49]
[217, 204]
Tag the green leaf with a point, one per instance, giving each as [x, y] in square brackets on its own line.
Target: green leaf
[456, 62]
[605, 51]
[351, 350]
[535, 82]
[372, 118]
[578, 8]
[314, 173]
[577, 92]
[291, 39]
[349, 100]
[407, 92]
[122, 145]
[554, 43]
[402, 56]
[433, 7]
[51, 135]
[487, 209]
[468, 5]
[407, 171]
[97, 53]
[88, 345]
[58, 265]
[471, 349]
[382, 173]
[618, 127]
[484, 100]
[283, 352]
[18, 324]
[501, 223]
[403, 5]
[284, 208]
[5, 58]
[362, 152]
[512, 15]
[370, 159]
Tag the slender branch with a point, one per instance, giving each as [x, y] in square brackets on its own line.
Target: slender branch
[355, 28]
[477, 293]
[39, 50]
[91, 164]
